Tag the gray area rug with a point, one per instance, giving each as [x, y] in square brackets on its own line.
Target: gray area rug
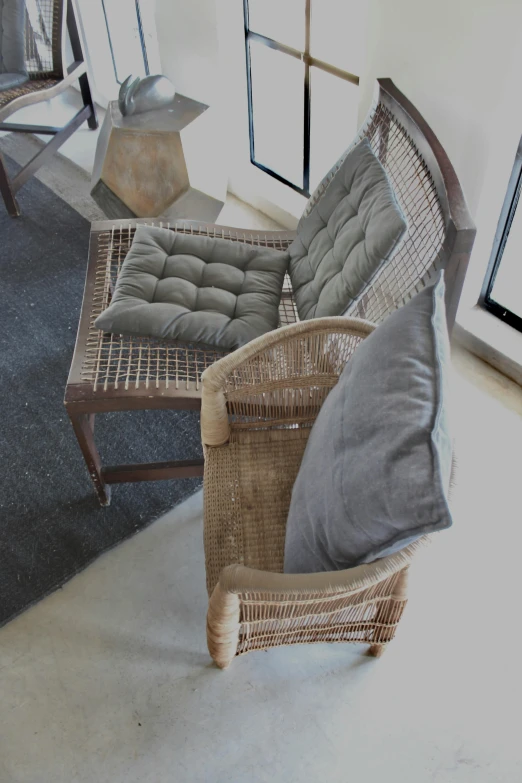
[51, 525]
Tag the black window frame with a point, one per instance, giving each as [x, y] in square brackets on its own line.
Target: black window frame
[505, 222]
[309, 62]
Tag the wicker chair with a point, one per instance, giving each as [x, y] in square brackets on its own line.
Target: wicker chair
[258, 406]
[115, 372]
[46, 25]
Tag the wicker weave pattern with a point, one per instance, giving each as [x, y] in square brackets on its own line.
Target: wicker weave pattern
[116, 361]
[369, 616]
[248, 484]
[43, 56]
[260, 403]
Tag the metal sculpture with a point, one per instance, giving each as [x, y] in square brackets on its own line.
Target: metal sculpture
[142, 95]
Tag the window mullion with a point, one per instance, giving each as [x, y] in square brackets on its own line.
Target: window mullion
[307, 103]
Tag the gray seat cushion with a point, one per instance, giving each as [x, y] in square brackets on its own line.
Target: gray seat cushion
[376, 470]
[348, 235]
[196, 289]
[13, 72]
[9, 81]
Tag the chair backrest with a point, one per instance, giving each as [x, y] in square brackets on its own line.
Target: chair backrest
[44, 38]
[440, 232]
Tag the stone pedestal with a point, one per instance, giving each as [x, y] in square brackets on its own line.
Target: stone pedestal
[162, 163]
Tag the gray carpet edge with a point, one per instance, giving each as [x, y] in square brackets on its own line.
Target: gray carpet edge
[60, 178]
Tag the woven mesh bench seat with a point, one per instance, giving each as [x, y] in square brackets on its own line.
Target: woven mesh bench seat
[112, 372]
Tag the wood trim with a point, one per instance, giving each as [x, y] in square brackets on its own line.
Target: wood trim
[83, 399]
[153, 471]
[44, 130]
[460, 227]
[50, 148]
[87, 302]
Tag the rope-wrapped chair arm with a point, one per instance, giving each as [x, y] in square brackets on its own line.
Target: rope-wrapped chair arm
[242, 580]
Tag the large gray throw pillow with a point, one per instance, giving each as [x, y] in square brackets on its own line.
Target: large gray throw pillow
[196, 289]
[349, 234]
[376, 470]
[13, 72]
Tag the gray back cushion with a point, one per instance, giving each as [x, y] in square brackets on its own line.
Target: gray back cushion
[196, 289]
[12, 44]
[376, 470]
[340, 246]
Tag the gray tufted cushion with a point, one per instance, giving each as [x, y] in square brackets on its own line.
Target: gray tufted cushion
[12, 49]
[348, 235]
[196, 289]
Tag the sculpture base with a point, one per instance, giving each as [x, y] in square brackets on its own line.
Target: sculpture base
[159, 164]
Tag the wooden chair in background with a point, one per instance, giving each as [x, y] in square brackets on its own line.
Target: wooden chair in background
[47, 24]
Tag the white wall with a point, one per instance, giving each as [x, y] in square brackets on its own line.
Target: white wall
[187, 36]
[459, 62]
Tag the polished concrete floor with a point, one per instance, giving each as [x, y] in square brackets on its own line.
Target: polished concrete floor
[109, 680]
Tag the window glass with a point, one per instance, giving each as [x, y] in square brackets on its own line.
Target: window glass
[334, 105]
[282, 20]
[337, 33]
[278, 111]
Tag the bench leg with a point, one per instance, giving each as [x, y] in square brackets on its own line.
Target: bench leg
[83, 426]
[390, 613]
[7, 191]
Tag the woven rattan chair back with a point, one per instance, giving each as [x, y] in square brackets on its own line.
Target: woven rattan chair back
[440, 229]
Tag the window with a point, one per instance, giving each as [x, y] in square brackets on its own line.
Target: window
[121, 41]
[302, 93]
[126, 41]
[502, 290]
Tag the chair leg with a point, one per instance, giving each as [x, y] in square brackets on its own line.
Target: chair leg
[7, 192]
[77, 51]
[85, 88]
[389, 613]
[83, 426]
[223, 626]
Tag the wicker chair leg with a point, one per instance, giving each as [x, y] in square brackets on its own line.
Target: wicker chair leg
[389, 612]
[376, 650]
[223, 626]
